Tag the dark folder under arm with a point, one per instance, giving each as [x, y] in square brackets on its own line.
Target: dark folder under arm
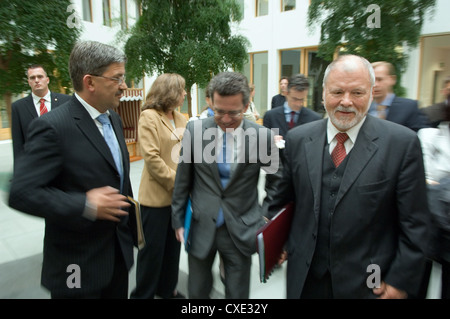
[137, 224]
[271, 239]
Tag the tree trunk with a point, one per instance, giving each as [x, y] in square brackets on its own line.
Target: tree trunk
[189, 100]
[7, 97]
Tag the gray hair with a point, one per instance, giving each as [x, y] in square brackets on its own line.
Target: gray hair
[230, 83]
[91, 57]
[349, 63]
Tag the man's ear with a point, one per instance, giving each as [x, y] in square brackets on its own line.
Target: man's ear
[246, 107]
[88, 83]
[393, 79]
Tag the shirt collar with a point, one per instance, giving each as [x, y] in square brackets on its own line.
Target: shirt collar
[93, 112]
[352, 132]
[37, 99]
[241, 125]
[288, 110]
[387, 100]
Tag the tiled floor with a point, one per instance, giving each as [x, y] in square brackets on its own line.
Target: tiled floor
[21, 237]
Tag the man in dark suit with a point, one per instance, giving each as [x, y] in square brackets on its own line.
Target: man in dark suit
[436, 113]
[225, 209]
[358, 184]
[292, 113]
[280, 98]
[28, 108]
[74, 172]
[387, 105]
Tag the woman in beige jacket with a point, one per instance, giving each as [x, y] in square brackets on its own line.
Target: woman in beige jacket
[160, 130]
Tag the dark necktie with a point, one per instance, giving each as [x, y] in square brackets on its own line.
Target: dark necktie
[291, 122]
[339, 152]
[224, 172]
[111, 140]
[42, 108]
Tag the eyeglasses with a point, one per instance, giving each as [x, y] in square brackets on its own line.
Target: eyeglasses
[232, 114]
[118, 80]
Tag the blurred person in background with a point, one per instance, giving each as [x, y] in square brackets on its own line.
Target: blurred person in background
[39, 102]
[280, 98]
[436, 154]
[160, 131]
[386, 105]
[436, 113]
[252, 113]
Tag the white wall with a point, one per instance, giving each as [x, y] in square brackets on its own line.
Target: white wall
[277, 31]
[436, 23]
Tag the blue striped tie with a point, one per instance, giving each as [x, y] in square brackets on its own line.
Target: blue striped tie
[111, 140]
[224, 172]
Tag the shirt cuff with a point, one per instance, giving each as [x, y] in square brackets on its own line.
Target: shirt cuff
[90, 211]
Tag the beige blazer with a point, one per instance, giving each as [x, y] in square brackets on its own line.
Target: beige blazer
[160, 147]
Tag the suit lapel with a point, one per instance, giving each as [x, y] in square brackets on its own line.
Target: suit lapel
[314, 149]
[360, 155]
[168, 125]
[115, 122]
[282, 124]
[243, 159]
[392, 114]
[31, 108]
[87, 125]
[209, 123]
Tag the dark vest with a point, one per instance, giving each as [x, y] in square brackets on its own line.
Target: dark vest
[331, 181]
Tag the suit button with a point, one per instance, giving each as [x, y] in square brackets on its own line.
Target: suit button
[314, 236]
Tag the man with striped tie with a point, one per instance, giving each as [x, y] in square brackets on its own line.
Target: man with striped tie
[39, 102]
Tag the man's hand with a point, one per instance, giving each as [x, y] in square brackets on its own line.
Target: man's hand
[389, 292]
[108, 202]
[179, 234]
[282, 257]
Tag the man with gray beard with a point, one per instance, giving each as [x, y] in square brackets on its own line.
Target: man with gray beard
[358, 183]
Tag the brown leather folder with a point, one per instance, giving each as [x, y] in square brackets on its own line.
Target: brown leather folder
[271, 238]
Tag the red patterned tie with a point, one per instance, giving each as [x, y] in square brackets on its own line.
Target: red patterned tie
[291, 122]
[339, 152]
[43, 108]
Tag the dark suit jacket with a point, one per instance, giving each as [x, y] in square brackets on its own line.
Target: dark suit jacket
[278, 100]
[65, 156]
[406, 112]
[435, 113]
[23, 111]
[239, 199]
[275, 118]
[380, 216]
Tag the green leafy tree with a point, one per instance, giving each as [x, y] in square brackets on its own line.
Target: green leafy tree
[190, 37]
[35, 32]
[374, 29]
